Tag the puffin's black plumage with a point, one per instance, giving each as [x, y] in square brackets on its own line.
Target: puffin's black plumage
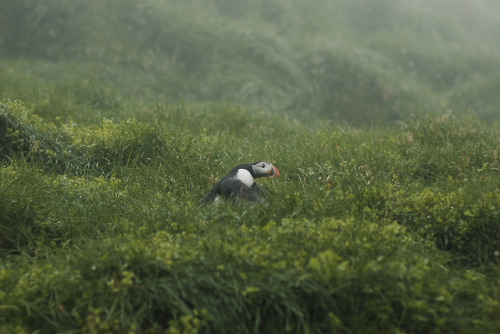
[239, 184]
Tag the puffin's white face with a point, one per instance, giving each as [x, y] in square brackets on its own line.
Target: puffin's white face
[263, 168]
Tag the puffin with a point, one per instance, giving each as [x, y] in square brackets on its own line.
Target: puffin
[239, 184]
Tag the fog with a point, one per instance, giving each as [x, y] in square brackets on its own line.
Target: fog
[355, 61]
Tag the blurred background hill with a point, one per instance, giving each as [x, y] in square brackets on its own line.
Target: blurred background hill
[361, 62]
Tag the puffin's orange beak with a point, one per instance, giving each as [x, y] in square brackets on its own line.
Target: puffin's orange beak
[274, 172]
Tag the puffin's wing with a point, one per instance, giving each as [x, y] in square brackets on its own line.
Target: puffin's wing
[213, 194]
[210, 197]
[241, 192]
[259, 190]
[231, 188]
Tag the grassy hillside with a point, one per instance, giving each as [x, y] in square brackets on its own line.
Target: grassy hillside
[117, 117]
[362, 62]
[365, 231]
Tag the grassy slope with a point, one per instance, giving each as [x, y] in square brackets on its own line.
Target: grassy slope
[362, 62]
[383, 229]
[365, 231]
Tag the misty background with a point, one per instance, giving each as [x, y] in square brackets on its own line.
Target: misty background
[361, 62]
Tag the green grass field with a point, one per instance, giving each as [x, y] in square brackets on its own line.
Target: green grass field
[116, 118]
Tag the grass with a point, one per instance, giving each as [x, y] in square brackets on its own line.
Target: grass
[365, 230]
[117, 118]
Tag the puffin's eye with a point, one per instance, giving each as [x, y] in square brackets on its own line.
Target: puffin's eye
[263, 165]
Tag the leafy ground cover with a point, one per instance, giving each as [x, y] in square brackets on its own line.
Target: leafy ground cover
[366, 231]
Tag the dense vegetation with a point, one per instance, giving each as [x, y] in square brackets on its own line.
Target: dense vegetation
[365, 231]
[117, 117]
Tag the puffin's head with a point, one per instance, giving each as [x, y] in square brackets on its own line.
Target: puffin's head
[263, 168]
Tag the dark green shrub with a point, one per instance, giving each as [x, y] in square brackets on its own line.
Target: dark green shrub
[24, 134]
[19, 191]
[93, 150]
